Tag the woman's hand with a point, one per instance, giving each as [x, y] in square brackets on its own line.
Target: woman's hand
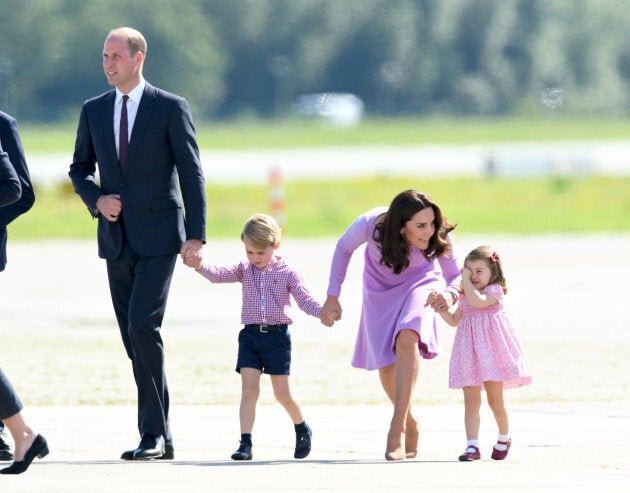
[331, 311]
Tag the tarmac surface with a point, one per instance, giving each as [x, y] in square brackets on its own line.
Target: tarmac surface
[567, 447]
[566, 437]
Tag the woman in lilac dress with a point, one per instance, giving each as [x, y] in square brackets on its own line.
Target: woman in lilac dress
[408, 256]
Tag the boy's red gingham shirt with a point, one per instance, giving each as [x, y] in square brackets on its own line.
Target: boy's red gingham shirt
[266, 292]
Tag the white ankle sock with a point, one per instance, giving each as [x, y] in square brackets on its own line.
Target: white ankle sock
[471, 443]
[502, 438]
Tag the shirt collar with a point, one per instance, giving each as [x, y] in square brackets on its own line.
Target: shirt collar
[135, 94]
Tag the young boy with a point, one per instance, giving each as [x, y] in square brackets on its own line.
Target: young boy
[264, 344]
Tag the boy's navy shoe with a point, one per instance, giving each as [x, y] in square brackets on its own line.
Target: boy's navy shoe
[303, 443]
[244, 452]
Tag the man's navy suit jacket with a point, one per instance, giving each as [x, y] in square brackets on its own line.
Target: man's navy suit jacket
[162, 185]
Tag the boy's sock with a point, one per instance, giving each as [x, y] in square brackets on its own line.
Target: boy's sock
[301, 427]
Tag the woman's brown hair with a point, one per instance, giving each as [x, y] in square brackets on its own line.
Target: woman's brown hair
[394, 247]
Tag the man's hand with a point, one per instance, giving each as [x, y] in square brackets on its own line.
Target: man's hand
[109, 206]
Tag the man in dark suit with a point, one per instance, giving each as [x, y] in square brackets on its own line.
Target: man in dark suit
[11, 148]
[150, 205]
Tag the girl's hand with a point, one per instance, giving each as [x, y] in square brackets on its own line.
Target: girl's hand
[466, 273]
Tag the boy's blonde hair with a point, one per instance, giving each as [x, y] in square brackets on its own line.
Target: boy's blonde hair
[261, 231]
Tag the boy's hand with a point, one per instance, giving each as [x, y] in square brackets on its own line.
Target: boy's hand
[193, 260]
[192, 253]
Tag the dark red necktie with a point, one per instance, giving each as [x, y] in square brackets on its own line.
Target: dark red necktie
[123, 134]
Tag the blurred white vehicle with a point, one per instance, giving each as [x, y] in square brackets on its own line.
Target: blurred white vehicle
[342, 109]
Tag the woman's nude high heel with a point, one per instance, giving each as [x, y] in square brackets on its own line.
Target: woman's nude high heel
[412, 436]
[395, 449]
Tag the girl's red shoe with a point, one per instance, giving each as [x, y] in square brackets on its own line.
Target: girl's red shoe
[468, 456]
[501, 454]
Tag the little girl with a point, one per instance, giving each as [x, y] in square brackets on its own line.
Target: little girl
[264, 343]
[486, 351]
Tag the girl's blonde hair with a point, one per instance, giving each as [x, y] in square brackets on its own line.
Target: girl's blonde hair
[487, 253]
[261, 231]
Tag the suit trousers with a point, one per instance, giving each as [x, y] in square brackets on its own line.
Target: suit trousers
[9, 401]
[139, 288]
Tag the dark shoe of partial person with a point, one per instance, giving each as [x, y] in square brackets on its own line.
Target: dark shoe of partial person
[244, 452]
[501, 454]
[303, 443]
[471, 453]
[39, 448]
[169, 452]
[5, 449]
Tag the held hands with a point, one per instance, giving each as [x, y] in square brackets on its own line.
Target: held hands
[192, 254]
[109, 206]
[439, 302]
[331, 311]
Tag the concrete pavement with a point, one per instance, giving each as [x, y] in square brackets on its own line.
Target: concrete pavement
[564, 447]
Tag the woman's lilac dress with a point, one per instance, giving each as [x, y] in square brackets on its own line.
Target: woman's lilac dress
[391, 302]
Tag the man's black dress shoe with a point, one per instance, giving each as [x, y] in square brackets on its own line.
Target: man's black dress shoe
[5, 450]
[150, 447]
[169, 452]
[39, 448]
[303, 443]
[244, 452]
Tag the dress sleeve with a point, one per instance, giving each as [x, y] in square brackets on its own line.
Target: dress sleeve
[356, 234]
[451, 270]
[495, 291]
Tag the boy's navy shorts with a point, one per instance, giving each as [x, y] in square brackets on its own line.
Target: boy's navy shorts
[266, 348]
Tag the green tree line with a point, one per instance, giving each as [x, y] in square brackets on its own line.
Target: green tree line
[242, 58]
